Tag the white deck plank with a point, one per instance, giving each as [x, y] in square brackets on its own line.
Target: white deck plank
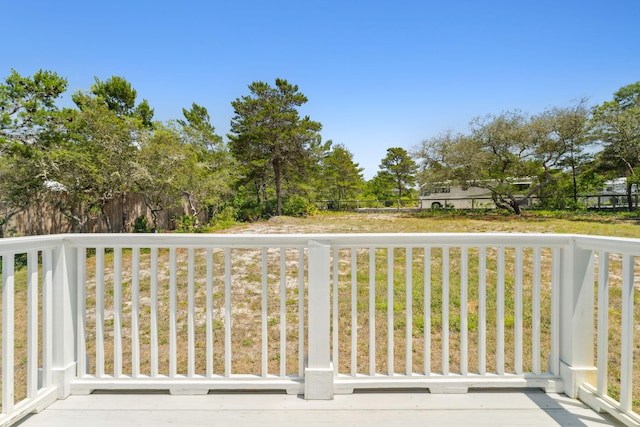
[533, 408]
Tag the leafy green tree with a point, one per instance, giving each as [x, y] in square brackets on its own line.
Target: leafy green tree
[616, 124]
[112, 127]
[210, 181]
[28, 108]
[511, 146]
[98, 162]
[269, 138]
[447, 157]
[198, 130]
[165, 162]
[380, 187]
[569, 127]
[341, 177]
[499, 152]
[399, 164]
[119, 97]
[304, 180]
[30, 125]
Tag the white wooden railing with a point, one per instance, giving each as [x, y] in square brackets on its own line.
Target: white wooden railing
[318, 315]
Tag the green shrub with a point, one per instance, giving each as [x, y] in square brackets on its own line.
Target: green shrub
[298, 206]
[185, 223]
[141, 225]
[224, 219]
[249, 211]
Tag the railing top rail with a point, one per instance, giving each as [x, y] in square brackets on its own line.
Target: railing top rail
[344, 240]
[612, 244]
[24, 244]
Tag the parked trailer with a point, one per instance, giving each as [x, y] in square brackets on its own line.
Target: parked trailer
[448, 195]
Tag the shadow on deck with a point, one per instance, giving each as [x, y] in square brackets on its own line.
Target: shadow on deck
[406, 408]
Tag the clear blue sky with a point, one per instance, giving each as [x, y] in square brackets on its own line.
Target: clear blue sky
[378, 74]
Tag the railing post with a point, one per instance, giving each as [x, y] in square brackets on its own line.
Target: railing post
[318, 383]
[576, 318]
[64, 318]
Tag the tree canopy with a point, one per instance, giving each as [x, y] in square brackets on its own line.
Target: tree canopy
[269, 138]
[341, 177]
[108, 148]
[399, 165]
[500, 151]
[30, 124]
[616, 124]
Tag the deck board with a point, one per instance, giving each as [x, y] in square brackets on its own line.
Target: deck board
[479, 408]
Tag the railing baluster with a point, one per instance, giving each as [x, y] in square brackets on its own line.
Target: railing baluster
[117, 312]
[409, 312]
[47, 317]
[556, 274]
[603, 321]
[135, 312]
[334, 312]
[227, 312]
[265, 307]
[99, 312]
[354, 311]
[301, 314]
[283, 312]
[518, 303]
[173, 307]
[8, 330]
[372, 311]
[482, 311]
[535, 308]
[464, 310]
[191, 314]
[32, 324]
[154, 312]
[427, 310]
[445, 310]
[390, 311]
[209, 313]
[500, 313]
[626, 363]
[81, 344]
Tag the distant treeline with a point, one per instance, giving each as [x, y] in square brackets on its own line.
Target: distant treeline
[107, 165]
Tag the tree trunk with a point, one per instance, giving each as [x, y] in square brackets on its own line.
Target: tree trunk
[509, 205]
[630, 196]
[516, 208]
[154, 218]
[125, 214]
[575, 184]
[276, 173]
[256, 184]
[193, 209]
[107, 220]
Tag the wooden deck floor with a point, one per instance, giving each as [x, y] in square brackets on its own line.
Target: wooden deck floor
[478, 408]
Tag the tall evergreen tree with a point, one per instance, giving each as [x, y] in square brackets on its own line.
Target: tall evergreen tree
[268, 135]
[341, 176]
[399, 165]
